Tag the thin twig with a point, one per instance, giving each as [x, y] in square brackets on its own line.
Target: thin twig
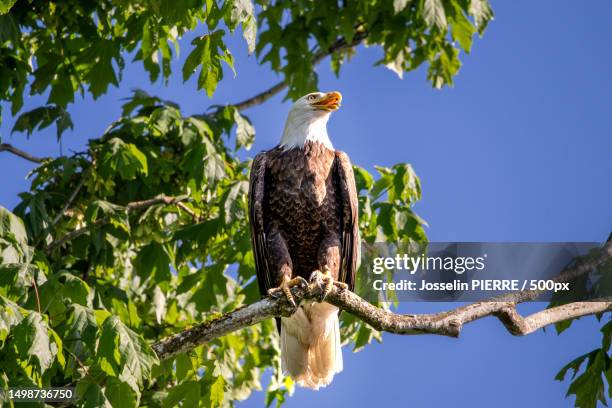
[58, 216]
[78, 360]
[5, 147]
[188, 210]
[136, 205]
[36, 292]
[84, 176]
[339, 45]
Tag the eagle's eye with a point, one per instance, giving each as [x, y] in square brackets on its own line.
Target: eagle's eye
[311, 97]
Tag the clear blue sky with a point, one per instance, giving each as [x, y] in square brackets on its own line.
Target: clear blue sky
[519, 150]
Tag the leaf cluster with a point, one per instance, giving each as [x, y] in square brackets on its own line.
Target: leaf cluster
[63, 48]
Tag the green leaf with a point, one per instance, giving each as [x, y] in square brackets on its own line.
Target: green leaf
[125, 158]
[16, 280]
[148, 49]
[433, 13]
[482, 13]
[100, 71]
[75, 289]
[397, 63]
[108, 349]
[208, 53]
[406, 184]
[13, 239]
[212, 289]
[562, 326]
[140, 157]
[232, 208]
[5, 5]
[217, 392]
[589, 387]
[245, 132]
[383, 183]
[31, 338]
[462, 29]
[159, 300]
[187, 392]
[9, 31]
[81, 328]
[184, 366]
[204, 163]
[10, 315]
[153, 261]
[42, 117]
[606, 340]
[242, 11]
[214, 167]
[574, 365]
[4, 385]
[275, 393]
[108, 209]
[94, 397]
[201, 128]
[364, 336]
[363, 179]
[62, 90]
[386, 220]
[126, 352]
[399, 5]
[200, 233]
[119, 394]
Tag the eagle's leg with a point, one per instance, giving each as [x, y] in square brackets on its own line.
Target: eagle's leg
[282, 265]
[327, 280]
[329, 265]
[285, 288]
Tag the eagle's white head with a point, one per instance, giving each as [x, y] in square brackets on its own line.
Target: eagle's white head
[307, 119]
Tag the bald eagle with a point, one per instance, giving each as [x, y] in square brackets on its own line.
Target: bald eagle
[304, 226]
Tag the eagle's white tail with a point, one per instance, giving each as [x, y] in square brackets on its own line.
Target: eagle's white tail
[310, 345]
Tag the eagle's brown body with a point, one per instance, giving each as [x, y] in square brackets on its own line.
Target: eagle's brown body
[303, 206]
[306, 213]
[303, 217]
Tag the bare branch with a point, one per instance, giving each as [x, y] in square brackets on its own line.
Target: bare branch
[339, 45]
[188, 210]
[64, 209]
[520, 326]
[70, 200]
[136, 205]
[261, 97]
[18, 152]
[447, 323]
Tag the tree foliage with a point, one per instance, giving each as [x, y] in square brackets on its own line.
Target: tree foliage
[145, 232]
[61, 48]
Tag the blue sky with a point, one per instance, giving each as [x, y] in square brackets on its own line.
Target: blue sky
[519, 150]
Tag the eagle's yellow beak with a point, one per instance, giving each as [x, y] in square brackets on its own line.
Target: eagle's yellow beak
[329, 102]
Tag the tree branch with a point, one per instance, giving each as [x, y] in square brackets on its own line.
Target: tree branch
[338, 45]
[447, 323]
[18, 152]
[75, 192]
[64, 209]
[136, 205]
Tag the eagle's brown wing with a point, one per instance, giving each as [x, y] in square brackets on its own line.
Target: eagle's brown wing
[350, 252]
[257, 191]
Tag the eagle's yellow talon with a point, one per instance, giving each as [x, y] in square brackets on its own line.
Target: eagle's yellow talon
[327, 280]
[287, 291]
[329, 285]
[341, 285]
[285, 288]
